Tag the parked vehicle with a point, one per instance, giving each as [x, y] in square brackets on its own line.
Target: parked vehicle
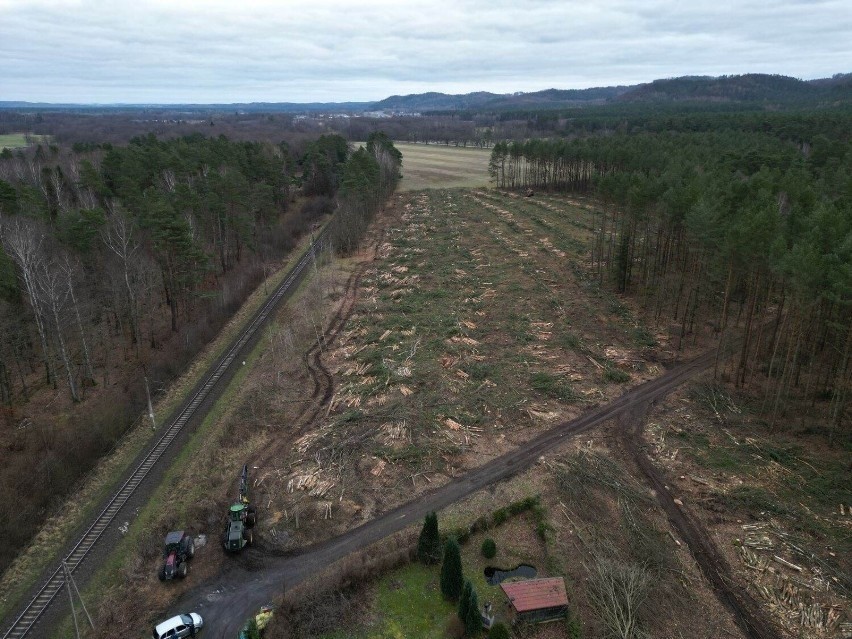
[241, 519]
[179, 549]
[186, 625]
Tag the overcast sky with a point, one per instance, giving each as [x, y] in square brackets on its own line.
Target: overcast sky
[170, 51]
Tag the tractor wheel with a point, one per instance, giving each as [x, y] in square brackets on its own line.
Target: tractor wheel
[162, 573]
[190, 551]
[182, 570]
[248, 537]
[251, 517]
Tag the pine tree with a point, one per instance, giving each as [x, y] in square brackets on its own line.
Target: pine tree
[429, 544]
[464, 600]
[451, 571]
[472, 619]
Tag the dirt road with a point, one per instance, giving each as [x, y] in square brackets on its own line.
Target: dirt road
[253, 579]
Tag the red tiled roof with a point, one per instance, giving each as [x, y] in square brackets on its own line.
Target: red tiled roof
[535, 594]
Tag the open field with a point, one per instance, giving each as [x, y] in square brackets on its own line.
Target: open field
[435, 166]
[17, 140]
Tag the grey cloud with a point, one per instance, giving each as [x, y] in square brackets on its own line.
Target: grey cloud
[327, 50]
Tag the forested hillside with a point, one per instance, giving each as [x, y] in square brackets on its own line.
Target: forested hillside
[118, 264]
[735, 227]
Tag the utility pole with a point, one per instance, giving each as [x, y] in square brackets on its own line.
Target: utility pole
[69, 581]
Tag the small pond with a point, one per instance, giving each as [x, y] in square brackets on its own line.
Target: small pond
[495, 575]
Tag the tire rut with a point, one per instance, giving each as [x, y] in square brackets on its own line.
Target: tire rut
[745, 610]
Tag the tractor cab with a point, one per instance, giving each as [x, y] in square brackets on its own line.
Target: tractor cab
[178, 549]
[241, 518]
[234, 536]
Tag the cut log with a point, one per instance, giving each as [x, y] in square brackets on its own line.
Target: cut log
[784, 562]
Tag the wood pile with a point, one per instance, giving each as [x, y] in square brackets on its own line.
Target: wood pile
[789, 589]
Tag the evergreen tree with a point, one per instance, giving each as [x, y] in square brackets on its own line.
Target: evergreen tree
[464, 600]
[472, 619]
[452, 578]
[429, 544]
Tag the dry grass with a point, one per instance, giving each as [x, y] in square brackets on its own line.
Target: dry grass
[434, 166]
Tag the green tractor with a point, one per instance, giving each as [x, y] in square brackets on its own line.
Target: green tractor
[241, 519]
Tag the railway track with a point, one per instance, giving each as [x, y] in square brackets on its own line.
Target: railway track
[40, 603]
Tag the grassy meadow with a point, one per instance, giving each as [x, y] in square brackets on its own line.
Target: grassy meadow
[435, 166]
[16, 140]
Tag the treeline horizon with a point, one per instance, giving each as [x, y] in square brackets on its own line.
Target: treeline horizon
[735, 227]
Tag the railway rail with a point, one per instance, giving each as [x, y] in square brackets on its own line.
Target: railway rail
[47, 593]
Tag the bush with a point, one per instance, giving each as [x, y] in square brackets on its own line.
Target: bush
[489, 548]
[616, 375]
[499, 631]
[542, 529]
[517, 507]
[452, 578]
[482, 523]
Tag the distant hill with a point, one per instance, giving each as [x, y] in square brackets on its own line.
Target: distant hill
[752, 87]
[483, 100]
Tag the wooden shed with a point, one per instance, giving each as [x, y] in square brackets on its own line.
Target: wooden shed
[537, 600]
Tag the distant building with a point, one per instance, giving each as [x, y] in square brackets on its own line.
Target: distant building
[537, 600]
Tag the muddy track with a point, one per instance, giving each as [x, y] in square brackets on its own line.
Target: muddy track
[323, 389]
[747, 612]
[227, 600]
[321, 378]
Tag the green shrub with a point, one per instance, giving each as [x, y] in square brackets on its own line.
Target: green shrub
[499, 631]
[500, 516]
[489, 548]
[616, 375]
[482, 523]
[517, 507]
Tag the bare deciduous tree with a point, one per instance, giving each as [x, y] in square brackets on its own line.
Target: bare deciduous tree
[53, 291]
[23, 242]
[617, 591]
[119, 238]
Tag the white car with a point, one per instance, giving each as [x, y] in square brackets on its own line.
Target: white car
[180, 626]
